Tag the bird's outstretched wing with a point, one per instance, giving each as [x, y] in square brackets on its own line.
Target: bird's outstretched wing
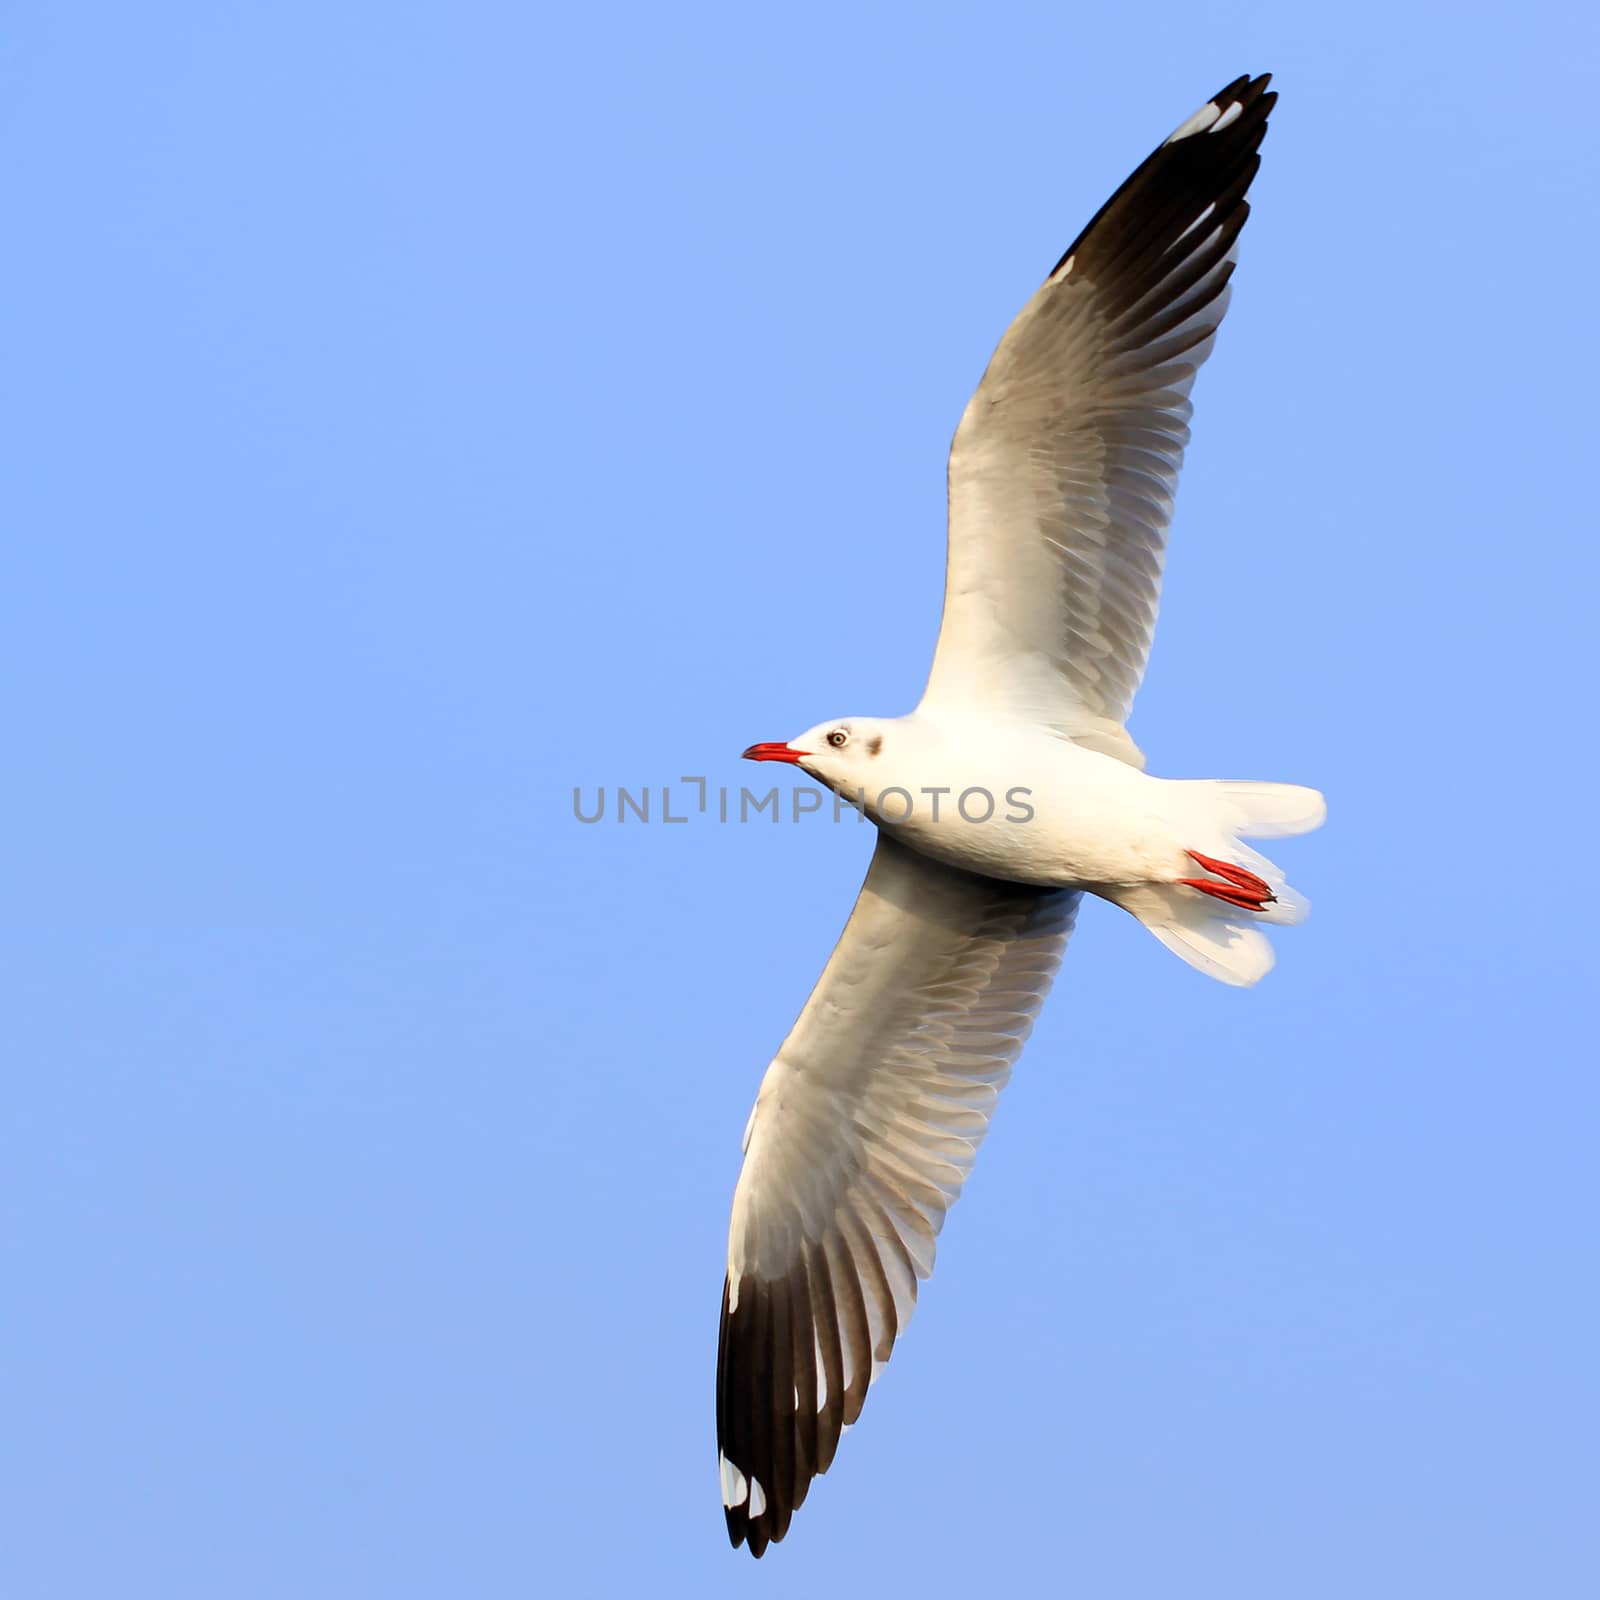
[863, 1131]
[1065, 465]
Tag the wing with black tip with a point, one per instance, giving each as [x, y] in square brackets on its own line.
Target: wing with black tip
[1065, 466]
[863, 1131]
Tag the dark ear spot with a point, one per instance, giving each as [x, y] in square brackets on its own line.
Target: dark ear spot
[874, 744]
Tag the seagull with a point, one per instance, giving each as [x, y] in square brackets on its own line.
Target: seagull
[1010, 792]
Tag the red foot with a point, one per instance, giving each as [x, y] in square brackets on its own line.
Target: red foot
[1240, 888]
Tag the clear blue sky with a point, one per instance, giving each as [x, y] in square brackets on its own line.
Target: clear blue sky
[410, 413]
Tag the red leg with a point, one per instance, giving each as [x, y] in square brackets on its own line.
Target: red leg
[1239, 887]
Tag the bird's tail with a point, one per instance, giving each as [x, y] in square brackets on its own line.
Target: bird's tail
[1212, 918]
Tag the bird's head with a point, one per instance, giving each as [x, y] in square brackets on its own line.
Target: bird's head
[842, 754]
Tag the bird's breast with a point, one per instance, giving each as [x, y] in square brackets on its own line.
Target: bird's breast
[1048, 815]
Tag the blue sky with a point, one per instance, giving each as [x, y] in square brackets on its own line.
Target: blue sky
[414, 413]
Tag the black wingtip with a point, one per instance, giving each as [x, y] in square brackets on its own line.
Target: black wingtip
[1212, 154]
[776, 1430]
[754, 1364]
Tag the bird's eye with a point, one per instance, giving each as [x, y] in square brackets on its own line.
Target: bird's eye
[838, 738]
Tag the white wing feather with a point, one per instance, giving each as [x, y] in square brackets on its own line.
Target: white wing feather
[1065, 466]
[864, 1129]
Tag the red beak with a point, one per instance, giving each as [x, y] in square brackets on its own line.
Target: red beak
[771, 752]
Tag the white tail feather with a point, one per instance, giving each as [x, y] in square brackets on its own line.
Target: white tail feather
[1214, 937]
[1266, 810]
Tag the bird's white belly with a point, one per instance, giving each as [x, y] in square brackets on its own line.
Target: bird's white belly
[1054, 814]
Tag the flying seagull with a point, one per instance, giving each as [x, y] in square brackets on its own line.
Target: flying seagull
[1011, 791]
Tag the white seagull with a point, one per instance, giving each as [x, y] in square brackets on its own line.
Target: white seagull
[1011, 791]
